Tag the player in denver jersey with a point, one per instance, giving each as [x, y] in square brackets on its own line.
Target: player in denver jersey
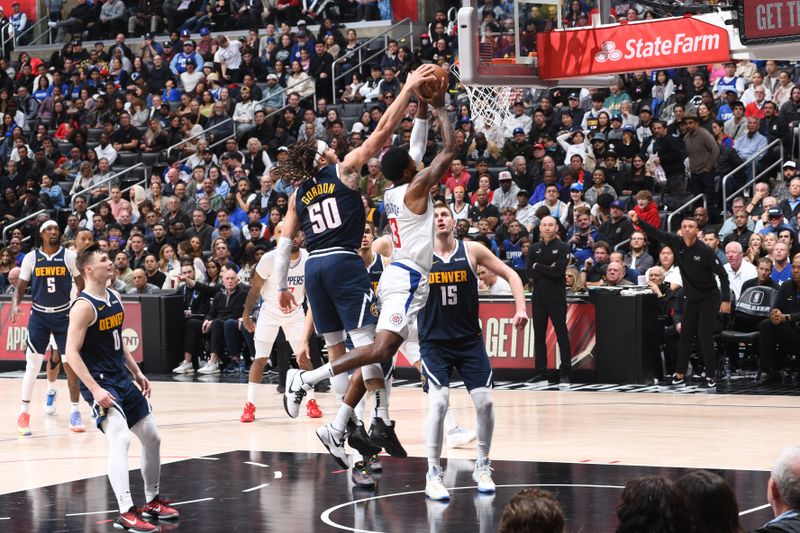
[404, 284]
[50, 270]
[102, 362]
[328, 208]
[450, 337]
[297, 326]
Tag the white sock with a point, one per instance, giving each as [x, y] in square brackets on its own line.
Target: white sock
[32, 367]
[251, 392]
[51, 386]
[450, 423]
[433, 465]
[74, 407]
[310, 395]
[484, 417]
[382, 405]
[339, 384]
[24, 407]
[116, 429]
[147, 432]
[360, 408]
[437, 405]
[342, 416]
[312, 377]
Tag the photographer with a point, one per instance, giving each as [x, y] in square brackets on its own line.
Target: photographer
[594, 268]
[583, 235]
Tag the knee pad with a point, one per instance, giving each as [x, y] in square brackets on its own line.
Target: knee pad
[334, 338]
[33, 361]
[482, 398]
[373, 371]
[363, 336]
[438, 398]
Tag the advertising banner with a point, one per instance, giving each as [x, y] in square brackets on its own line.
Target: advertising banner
[508, 348]
[768, 21]
[646, 45]
[13, 337]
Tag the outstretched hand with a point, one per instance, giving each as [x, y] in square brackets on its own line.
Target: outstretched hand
[287, 302]
[633, 216]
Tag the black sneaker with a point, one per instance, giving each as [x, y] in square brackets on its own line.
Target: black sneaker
[322, 386]
[385, 437]
[708, 383]
[375, 463]
[361, 476]
[358, 439]
[678, 382]
[281, 388]
[539, 376]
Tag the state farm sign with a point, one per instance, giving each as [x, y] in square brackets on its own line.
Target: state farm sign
[645, 45]
[768, 21]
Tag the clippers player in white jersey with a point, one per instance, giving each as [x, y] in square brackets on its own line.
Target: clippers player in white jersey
[297, 325]
[403, 287]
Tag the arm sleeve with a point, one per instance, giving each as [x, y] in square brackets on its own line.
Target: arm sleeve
[282, 255]
[70, 259]
[26, 268]
[419, 140]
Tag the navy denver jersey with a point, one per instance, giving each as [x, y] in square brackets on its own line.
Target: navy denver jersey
[102, 347]
[331, 213]
[375, 270]
[50, 279]
[451, 311]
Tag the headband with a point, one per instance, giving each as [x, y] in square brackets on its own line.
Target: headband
[47, 225]
[321, 147]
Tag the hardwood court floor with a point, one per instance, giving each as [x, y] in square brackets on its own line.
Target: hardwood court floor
[737, 432]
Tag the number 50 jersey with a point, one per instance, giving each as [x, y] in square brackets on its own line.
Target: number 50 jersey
[331, 213]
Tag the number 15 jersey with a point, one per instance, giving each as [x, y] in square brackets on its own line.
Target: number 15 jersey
[331, 213]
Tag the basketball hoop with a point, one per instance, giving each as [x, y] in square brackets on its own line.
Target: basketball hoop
[489, 105]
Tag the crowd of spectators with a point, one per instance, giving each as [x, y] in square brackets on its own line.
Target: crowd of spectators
[210, 117]
[698, 502]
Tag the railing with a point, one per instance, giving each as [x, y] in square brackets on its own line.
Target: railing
[361, 60]
[623, 243]
[141, 182]
[197, 135]
[31, 27]
[22, 221]
[684, 207]
[752, 162]
[107, 180]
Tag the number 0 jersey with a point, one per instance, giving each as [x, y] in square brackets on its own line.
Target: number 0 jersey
[331, 213]
[412, 234]
[50, 278]
[451, 310]
[102, 346]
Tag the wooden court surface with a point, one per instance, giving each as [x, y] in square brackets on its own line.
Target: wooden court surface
[195, 419]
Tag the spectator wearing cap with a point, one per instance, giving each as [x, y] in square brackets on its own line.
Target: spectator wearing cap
[725, 110]
[774, 219]
[643, 130]
[628, 145]
[517, 119]
[516, 145]
[187, 52]
[617, 228]
[614, 133]
[190, 77]
[273, 94]
[789, 171]
[505, 195]
[149, 49]
[703, 152]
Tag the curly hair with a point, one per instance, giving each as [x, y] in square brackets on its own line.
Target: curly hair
[302, 162]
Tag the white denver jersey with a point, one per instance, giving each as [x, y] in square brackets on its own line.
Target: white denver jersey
[412, 234]
[295, 278]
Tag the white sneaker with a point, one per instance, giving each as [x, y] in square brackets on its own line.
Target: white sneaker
[50, 403]
[459, 437]
[482, 475]
[294, 393]
[184, 368]
[335, 446]
[209, 368]
[434, 488]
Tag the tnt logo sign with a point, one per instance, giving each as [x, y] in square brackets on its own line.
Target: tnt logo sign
[608, 52]
[131, 339]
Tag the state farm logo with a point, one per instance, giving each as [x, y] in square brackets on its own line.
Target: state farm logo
[608, 52]
[679, 44]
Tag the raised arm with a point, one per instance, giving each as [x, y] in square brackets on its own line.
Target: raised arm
[654, 233]
[419, 134]
[483, 256]
[388, 122]
[416, 197]
[291, 225]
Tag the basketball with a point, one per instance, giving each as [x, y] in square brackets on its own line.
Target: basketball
[429, 89]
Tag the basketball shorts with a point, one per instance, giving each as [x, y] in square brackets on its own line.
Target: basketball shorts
[410, 349]
[268, 325]
[128, 399]
[42, 325]
[339, 291]
[468, 356]
[402, 292]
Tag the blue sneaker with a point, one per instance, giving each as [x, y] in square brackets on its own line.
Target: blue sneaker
[243, 367]
[231, 367]
[75, 423]
[50, 403]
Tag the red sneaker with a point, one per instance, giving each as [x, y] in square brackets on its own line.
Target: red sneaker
[313, 410]
[24, 424]
[249, 413]
[130, 521]
[158, 508]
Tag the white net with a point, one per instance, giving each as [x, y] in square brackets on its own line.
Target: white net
[489, 105]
